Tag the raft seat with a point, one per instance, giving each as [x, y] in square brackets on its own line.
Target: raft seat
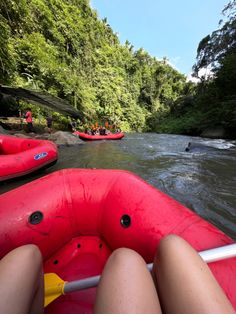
[82, 257]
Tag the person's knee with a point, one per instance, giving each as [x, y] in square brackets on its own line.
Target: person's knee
[30, 254]
[170, 245]
[30, 249]
[125, 256]
[24, 258]
[171, 240]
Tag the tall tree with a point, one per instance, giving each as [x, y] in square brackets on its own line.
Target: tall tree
[215, 47]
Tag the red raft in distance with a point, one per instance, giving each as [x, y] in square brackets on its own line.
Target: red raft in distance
[77, 217]
[88, 137]
[20, 156]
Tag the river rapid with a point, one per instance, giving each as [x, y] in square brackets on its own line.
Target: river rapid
[203, 179]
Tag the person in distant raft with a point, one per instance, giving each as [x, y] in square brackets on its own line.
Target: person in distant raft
[29, 120]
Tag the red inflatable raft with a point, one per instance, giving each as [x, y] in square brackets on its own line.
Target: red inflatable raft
[20, 156]
[87, 137]
[78, 217]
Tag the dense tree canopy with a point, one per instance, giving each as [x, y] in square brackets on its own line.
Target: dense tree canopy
[213, 101]
[64, 48]
[219, 52]
[213, 49]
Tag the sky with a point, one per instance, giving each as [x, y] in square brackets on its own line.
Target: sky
[163, 28]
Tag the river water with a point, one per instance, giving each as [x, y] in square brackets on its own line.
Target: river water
[203, 179]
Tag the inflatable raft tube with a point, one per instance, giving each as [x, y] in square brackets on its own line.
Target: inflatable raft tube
[77, 217]
[111, 136]
[20, 156]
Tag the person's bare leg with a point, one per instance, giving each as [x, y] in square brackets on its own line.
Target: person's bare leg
[21, 281]
[126, 286]
[184, 282]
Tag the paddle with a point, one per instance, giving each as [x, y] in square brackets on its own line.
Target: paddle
[55, 286]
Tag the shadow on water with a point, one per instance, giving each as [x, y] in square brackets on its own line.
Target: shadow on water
[203, 180]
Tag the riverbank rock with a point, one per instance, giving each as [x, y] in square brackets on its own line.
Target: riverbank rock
[199, 148]
[59, 137]
[64, 138]
[22, 135]
[214, 132]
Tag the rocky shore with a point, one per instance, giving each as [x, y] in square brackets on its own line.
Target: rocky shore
[58, 137]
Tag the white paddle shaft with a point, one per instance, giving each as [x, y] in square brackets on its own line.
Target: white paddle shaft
[219, 253]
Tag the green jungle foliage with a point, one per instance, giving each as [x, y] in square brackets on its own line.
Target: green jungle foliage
[213, 101]
[64, 48]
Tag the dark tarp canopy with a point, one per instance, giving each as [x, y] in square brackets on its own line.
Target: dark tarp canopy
[41, 98]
